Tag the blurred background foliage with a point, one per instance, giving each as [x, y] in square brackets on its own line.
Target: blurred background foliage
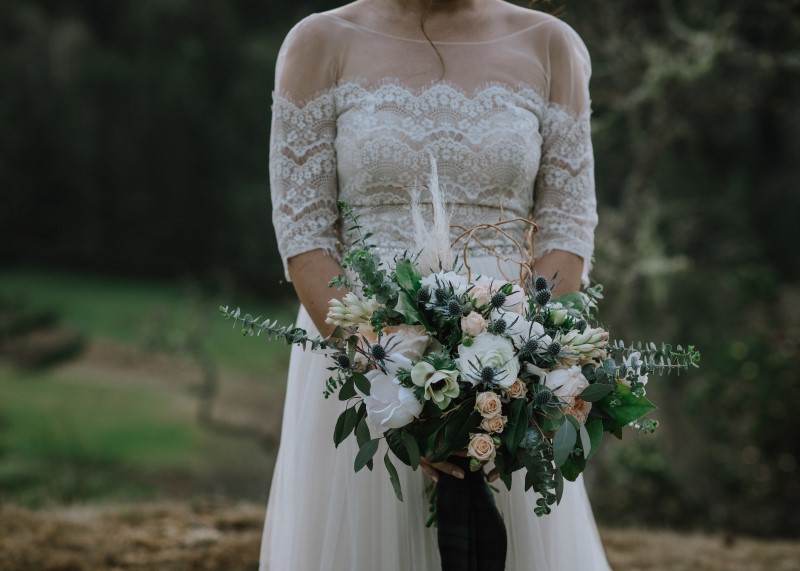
[134, 189]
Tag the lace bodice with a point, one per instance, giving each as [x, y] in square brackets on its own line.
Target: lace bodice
[509, 130]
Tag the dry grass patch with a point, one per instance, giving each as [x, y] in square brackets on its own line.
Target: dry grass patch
[220, 536]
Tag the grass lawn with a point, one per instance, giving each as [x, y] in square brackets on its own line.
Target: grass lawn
[152, 313]
[69, 439]
[105, 433]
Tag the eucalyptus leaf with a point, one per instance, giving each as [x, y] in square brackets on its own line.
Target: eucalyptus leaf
[559, 486]
[362, 383]
[345, 425]
[595, 430]
[365, 453]
[586, 441]
[564, 442]
[412, 448]
[348, 390]
[393, 477]
[362, 432]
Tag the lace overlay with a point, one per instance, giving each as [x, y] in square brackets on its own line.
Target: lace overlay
[503, 151]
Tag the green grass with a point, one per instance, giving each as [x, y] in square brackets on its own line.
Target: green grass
[64, 438]
[154, 314]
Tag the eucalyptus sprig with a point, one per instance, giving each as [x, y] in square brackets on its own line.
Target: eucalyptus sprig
[376, 281]
[662, 359]
[273, 330]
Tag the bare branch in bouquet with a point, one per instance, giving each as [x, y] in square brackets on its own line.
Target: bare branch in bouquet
[526, 251]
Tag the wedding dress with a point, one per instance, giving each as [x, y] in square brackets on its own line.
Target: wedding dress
[356, 112]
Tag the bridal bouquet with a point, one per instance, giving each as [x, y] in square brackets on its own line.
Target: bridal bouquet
[443, 362]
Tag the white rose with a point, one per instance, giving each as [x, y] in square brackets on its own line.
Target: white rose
[488, 350]
[473, 324]
[481, 447]
[389, 405]
[440, 385]
[445, 279]
[567, 384]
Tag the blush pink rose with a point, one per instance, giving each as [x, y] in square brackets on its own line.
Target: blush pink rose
[494, 424]
[488, 404]
[481, 447]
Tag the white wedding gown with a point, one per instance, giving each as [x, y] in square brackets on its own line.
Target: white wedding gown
[356, 112]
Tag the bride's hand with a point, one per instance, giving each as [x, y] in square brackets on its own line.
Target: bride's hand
[433, 469]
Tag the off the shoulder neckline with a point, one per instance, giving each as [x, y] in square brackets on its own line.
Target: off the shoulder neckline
[464, 43]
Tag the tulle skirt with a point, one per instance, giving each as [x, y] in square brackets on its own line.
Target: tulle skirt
[322, 515]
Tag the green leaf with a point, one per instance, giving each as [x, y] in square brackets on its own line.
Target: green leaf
[572, 467]
[586, 441]
[518, 424]
[407, 275]
[571, 299]
[345, 425]
[395, 441]
[559, 486]
[595, 430]
[408, 308]
[456, 431]
[596, 392]
[461, 439]
[551, 418]
[362, 383]
[348, 390]
[395, 479]
[630, 407]
[564, 442]
[412, 448]
[362, 432]
[365, 453]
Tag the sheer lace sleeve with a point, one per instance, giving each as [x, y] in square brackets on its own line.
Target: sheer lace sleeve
[565, 205]
[302, 158]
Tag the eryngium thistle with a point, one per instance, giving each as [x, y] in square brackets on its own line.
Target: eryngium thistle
[541, 283]
[350, 311]
[543, 296]
[498, 299]
[543, 396]
[454, 308]
[497, 326]
[583, 347]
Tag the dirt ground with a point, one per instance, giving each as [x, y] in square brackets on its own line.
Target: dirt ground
[220, 536]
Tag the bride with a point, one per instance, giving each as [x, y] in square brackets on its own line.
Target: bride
[499, 95]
